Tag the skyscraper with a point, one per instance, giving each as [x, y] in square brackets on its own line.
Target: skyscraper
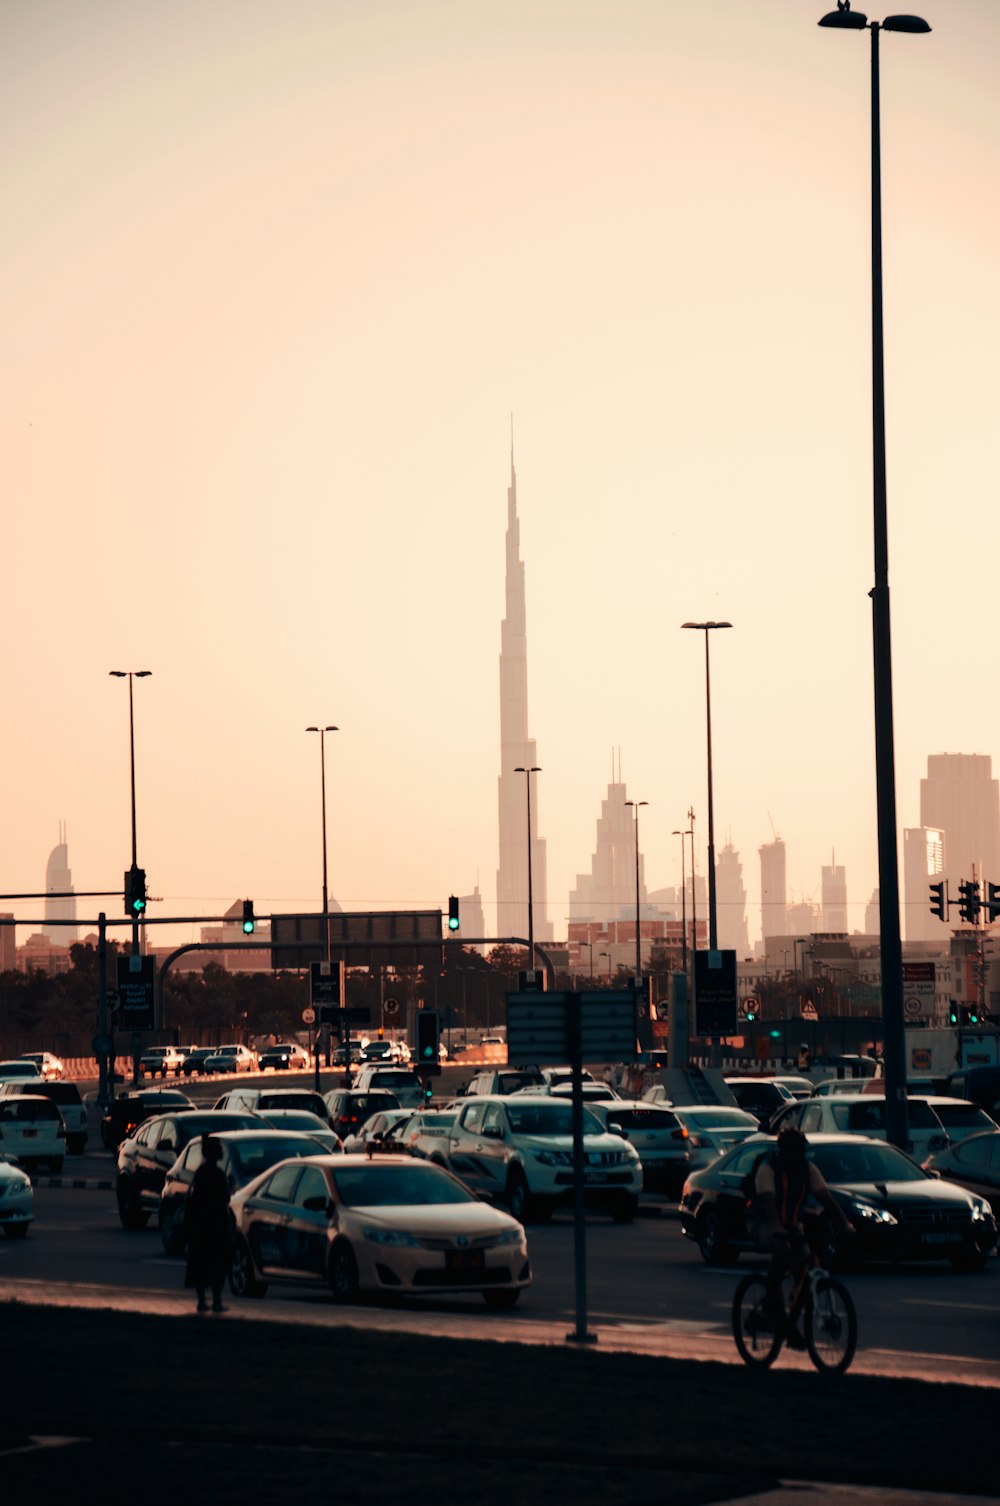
[961, 798]
[773, 890]
[607, 892]
[834, 898]
[731, 897]
[923, 865]
[59, 884]
[517, 750]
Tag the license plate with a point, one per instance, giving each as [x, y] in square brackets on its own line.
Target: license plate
[464, 1260]
[29, 1134]
[593, 1178]
[942, 1239]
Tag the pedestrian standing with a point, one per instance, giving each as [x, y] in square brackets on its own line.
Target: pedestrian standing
[206, 1224]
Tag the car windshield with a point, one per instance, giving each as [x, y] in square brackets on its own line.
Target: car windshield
[390, 1079]
[548, 1119]
[871, 1114]
[295, 1119]
[18, 1069]
[250, 1157]
[212, 1123]
[381, 1186]
[643, 1119]
[963, 1116]
[720, 1118]
[865, 1163]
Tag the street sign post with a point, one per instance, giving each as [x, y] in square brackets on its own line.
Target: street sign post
[136, 988]
[308, 1015]
[715, 993]
[391, 1009]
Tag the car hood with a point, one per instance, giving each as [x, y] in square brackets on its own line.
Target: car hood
[449, 1219]
[591, 1143]
[936, 1190]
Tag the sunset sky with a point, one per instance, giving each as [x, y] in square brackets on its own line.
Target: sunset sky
[276, 275]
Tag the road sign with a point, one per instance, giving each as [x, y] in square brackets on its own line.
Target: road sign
[808, 1010]
[324, 983]
[539, 1026]
[390, 1008]
[747, 1007]
[136, 983]
[308, 1015]
[715, 992]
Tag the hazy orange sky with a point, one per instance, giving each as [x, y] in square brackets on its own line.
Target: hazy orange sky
[275, 277]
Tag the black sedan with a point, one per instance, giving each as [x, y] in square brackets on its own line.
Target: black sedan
[898, 1210]
[974, 1164]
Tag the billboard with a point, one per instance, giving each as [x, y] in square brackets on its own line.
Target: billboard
[367, 938]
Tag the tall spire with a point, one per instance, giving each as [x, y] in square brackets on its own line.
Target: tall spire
[517, 750]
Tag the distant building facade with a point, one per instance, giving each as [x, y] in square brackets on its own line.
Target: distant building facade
[833, 897]
[923, 865]
[60, 902]
[731, 900]
[607, 892]
[960, 798]
[773, 890]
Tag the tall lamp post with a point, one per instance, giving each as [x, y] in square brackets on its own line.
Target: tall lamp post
[800, 961]
[635, 804]
[684, 939]
[590, 946]
[345, 1034]
[885, 774]
[130, 675]
[713, 928]
[534, 769]
[608, 955]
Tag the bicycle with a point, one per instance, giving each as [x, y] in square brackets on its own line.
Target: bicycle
[820, 1310]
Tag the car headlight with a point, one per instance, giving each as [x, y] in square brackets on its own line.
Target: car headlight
[509, 1237]
[869, 1214]
[554, 1157]
[979, 1209]
[391, 1237]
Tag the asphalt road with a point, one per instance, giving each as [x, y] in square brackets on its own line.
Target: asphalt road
[643, 1274]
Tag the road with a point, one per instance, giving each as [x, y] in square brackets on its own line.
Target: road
[641, 1277]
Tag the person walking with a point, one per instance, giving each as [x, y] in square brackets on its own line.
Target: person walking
[206, 1224]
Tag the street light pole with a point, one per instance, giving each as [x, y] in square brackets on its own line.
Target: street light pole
[684, 940]
[638, 949]
[885, 776]
[608, 955]
[531, 909]
[130, 675]
[713, 927]
[322, 787]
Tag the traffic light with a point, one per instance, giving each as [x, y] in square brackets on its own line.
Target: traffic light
[973, 1013]
[992, 902]
[453, 920]
[381, 1032]
[953, 1015]
[969, 904]
[248, 918]
[937, 900]
[428, 1038]
[751, 1012]
[135, 892]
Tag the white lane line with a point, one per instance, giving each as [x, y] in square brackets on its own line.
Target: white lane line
[965, 1307]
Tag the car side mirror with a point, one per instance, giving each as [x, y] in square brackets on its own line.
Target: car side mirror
[492, 1132]
[317, 1204]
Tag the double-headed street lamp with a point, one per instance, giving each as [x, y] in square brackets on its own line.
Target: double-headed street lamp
[322, 788]
[638, 950]
[713, 929]
[527, 772]
[844, 19]
[608, 955]
[684, 939]
[130, 675]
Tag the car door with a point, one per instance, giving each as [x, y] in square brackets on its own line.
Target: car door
[305, 1235]
[730, 1197]
[469, 1150]
[269, 1215]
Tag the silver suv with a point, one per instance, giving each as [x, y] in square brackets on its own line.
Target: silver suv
[401, 1081]
[518, 1150]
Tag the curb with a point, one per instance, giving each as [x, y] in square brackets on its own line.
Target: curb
[75, 1184]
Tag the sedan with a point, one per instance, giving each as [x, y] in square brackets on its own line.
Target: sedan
[973, 1163]
[285, 1057]
[230, 1059]
[17, 1200]
[389, 1225]
[712, 1129]
[50, 1066]
[303, 1122]
[897, 1210]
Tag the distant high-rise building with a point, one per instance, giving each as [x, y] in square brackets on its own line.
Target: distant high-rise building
[472, 921]
[961, 798]
[923, 865]
[517, 750]
[773, 890]
[731, 899]
[8, 945]
[59, 885]
[873, 919]
[607, 892]
[834, 898]
[803, 919]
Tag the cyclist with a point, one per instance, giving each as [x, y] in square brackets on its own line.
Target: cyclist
[782, 1184]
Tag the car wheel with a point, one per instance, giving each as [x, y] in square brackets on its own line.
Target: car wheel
[172, 1227]
[708, 1231]
[502, 1300]
[969, 1260]
[624, 1208]
[75, 1144]
[343, 1273]
[56, 1165]
[541, 1209]
[242, 1281]
[516, 1196]
[130, 1212]
[15, 1231]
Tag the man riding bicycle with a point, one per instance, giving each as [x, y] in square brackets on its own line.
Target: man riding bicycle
[782, 1185]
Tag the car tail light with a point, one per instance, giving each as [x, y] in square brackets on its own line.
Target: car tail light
[680, 1134]
[699, 1141]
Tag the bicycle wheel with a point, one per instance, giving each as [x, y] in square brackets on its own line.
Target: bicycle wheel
[831, 1326]
[757, 1334]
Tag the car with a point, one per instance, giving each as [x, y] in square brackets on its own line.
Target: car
[193, 1064]
[348, 1109]
[712, 1128]
[840, 1087]
[232, 1058]
[381, 1129]
[845, 1064]
[980, 1085]
[897, 1210]
[145, 1157]
[424, 1134]
[759, 1096]
[656, 1093]
[129, 1110]
[304, 1122]
[17, 1199]
[388, 1224]
[959, 1117]
[245, 1155]
[21, 1070]
[50, 1066]
[379, 1051]
[159, 1061]
[503, 1080]
[974, 1163]
[399, 1080]
[518, 1150]
[261, 1099]
[863, 1114]
[799, 1087]
[553, 1075]
[66, 1095]
[32, 1130]
[658, 1136]
[288, 1056]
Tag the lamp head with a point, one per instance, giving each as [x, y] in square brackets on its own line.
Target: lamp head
[915, 25]
[844, 18]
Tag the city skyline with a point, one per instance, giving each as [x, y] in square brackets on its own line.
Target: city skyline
[263, 349]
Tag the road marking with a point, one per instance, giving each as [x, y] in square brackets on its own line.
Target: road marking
[965, 1307]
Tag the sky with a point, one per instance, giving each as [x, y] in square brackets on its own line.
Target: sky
[277, 274]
